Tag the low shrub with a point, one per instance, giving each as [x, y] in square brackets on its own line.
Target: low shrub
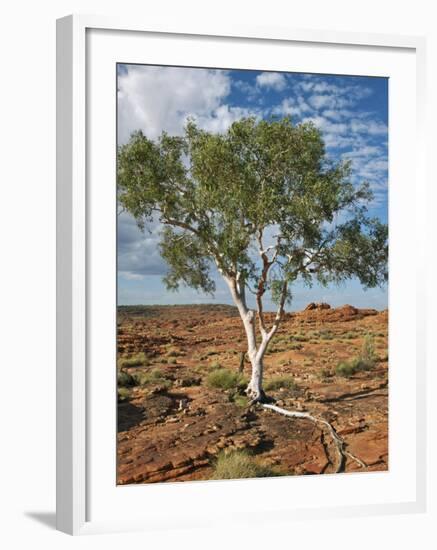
[152, 377]
[224, 379]
[345, 369]
[173, 352]
[137, 360]
[240, 400]
[299, 338]
[364, 362]
[368, 354]
[123, 394]
[326, 334]
[239, 465]
[296, 347]
[349, 368]
[278, 382]
[124, 379]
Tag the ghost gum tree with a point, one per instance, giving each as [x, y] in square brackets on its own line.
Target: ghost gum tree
[261, 204]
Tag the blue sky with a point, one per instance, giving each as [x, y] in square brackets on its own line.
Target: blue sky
[352, 113]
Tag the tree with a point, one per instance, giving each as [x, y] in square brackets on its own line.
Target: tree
[263, 205]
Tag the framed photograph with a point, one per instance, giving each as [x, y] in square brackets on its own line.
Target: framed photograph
[240, 331]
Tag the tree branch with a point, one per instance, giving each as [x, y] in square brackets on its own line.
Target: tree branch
[280, 310]
[166, 220]
[262, 284]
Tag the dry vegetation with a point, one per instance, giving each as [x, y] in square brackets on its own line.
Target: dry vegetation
[183, 414]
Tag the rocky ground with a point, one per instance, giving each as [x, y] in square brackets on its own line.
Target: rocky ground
[173, 422]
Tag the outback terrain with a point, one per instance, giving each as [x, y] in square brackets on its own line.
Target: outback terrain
[183, 414]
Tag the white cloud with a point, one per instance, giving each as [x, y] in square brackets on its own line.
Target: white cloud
[154, 99]
[327, 126]
[251, 91]
[321, 101]
[138, 253]
[329, 101]
[377, 128]
[292, 106]
[372, 127]
[276, 81]
[221, 118]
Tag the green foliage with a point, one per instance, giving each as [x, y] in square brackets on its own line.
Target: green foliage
[296, 347]
[123, 394]
[368, 354]
[137, 360]
[364, 362]
[240, 464]
[299, 338]
[152, 377]
[173, 352]
[280, 381]
[224, 379]
[325, 334]
[240, 399]
[124, 379]
[217, 195]
[345, 369]
[186, 256]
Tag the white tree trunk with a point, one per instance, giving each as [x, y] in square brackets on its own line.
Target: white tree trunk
[256, 354]
[254, 389]
[248, 318]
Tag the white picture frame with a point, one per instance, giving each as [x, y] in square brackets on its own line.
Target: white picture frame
[74, 340]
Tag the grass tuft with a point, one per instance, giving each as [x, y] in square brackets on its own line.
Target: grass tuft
[137, 360]
[364, 362]
[152, 377]
[173, 352]
[240, 400]
[278, 382]
[224, 379]
[345, 369]
[123, 394]
[239, 465]
[124, 379]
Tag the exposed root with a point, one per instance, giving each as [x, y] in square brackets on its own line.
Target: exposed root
[343, 454]
[257, 396]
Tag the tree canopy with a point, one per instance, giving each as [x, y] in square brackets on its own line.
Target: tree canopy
[262, 203]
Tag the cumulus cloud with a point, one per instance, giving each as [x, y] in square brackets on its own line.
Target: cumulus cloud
[138, 253]
[221, 118]
[154, 99]
[276, 81]
[349, 131]
[293, 106]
